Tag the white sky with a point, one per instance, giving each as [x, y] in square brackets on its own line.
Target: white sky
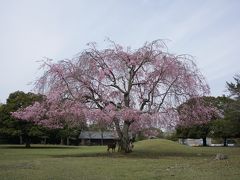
[31, 30]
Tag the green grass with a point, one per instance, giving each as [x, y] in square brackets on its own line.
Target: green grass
[151, 159]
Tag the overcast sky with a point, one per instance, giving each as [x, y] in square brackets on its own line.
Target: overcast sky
[33, 29]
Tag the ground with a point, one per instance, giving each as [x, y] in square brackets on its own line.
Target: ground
[151, 159]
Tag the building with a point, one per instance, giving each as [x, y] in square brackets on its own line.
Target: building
[194, 142]
[98, 137]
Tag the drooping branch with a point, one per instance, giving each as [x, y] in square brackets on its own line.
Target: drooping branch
[166, 93]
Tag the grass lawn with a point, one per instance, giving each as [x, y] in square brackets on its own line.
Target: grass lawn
[151, 159]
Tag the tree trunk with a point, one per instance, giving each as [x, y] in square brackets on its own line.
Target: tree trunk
[45, 140]
[225, 142]
[124, 144]
[125, 141]
[102, 137]
[68, 142]
[62, 142]
[28, 142]
[20, 139]
[204, 141]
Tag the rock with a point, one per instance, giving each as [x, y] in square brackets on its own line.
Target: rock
[220, 156]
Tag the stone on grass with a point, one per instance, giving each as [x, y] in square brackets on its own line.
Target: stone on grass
[220, 156]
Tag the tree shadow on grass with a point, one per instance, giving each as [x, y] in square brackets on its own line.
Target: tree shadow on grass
[37, 147]
[134, 155]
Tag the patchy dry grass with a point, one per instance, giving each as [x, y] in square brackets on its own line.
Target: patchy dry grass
[151, 159]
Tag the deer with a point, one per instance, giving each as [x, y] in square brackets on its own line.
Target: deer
[111, 146]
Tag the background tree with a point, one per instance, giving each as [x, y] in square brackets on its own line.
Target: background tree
[10, 126]
[233, 112]
[223, 124]
[1, 123]
[182, 131]
[223, 128]
[54, 112]
[227, 126]
[233, 115]
[195, 131]
[70, 132]
[148, 133]
[133, 89]
[201, 116]
[234, 88]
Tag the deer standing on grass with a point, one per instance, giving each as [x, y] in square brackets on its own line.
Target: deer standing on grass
[111, 146]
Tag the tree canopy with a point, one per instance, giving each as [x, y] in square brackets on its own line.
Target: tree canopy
[132, 89]
[233, 113]
[221, 119]
[10, 126]
[234, 88]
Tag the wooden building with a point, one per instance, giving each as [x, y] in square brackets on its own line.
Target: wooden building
[98, 137]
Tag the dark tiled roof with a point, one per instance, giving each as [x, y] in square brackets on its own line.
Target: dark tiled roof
[98, 135]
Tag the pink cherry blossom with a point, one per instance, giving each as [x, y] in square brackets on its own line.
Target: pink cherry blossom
[133, 89]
